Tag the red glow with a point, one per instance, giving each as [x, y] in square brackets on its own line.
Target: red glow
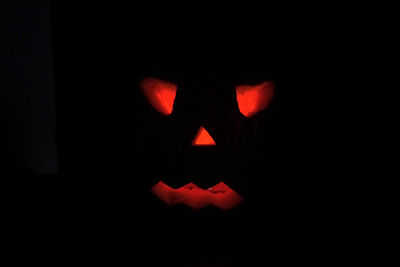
[203, 138]
[219, 195]
[254, 98]
[160, 94]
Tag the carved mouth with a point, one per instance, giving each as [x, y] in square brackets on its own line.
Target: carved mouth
[220, 195]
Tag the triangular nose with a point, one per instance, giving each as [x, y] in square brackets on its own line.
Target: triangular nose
[203, 138]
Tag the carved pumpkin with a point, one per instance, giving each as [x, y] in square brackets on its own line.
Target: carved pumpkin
[201, 110]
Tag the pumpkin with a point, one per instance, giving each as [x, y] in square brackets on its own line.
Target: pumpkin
[201, 107]
[251, 99]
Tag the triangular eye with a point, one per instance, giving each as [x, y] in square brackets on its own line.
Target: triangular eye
[160, 94]
[254, 98]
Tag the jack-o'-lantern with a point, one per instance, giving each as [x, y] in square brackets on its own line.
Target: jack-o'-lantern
[201, 106]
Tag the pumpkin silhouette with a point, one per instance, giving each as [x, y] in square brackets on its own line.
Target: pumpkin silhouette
[201, 105]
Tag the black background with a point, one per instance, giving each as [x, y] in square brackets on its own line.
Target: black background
[99, 199]
[27, 100]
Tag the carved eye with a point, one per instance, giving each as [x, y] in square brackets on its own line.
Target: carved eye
[160, 94]
[254, 98]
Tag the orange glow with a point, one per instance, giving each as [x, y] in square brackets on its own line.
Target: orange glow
[203, 138]
[254, 98]
[160, 94]
[193, 196]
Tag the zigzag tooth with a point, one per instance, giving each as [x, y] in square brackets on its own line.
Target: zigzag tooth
[191, 186]
[195, 197]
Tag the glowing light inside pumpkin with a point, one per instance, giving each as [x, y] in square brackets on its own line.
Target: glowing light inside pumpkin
[193, 196]
[160, 94]
[203, 138]
[254, 98]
